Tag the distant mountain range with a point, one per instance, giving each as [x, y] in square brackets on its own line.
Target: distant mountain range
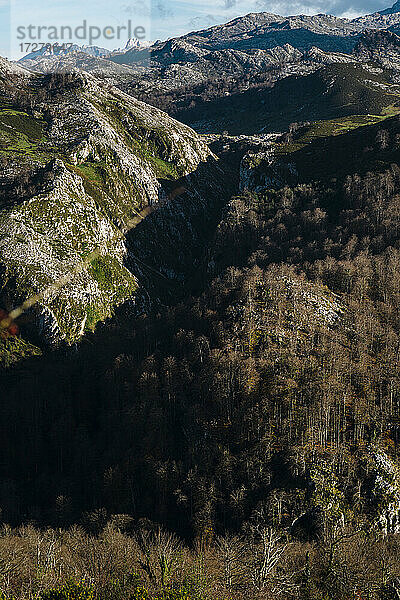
[257, 41]
[253, 31]
[226, 77]
[59, 57]
[63, 50]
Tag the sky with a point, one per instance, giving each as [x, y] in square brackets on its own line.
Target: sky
[149, 19]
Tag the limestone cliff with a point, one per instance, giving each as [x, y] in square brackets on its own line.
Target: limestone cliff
[79, 159]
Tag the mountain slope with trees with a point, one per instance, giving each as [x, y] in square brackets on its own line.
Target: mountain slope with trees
[264, 407]
[271, 365]
[230, 427]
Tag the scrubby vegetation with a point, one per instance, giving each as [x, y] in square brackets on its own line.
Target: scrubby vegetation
[14, 349]
[124, 562]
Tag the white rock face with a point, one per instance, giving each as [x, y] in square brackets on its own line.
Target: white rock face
[45, 239]
[387, 493]
[102, 157]
[9, 69]
[135, 43]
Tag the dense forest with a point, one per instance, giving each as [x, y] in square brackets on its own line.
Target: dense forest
[258, 419]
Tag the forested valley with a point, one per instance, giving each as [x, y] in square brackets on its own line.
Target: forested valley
[241, 441]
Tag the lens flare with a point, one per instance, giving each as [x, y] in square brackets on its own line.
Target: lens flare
[7, 326]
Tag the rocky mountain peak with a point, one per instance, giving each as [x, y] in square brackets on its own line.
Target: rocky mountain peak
[135, 43]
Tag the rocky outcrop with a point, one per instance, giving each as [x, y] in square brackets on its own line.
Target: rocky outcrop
[9, 70]
[261, 170]
[43, 242]
[386, 492]
[382, 47]
[316, 55]
[176, 50]
[98, 158]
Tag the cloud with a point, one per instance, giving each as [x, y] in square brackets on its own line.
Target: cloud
[230, 4]
[234, 8]
[162, 10]
[333, 7]
[202, 22]
[137, 8]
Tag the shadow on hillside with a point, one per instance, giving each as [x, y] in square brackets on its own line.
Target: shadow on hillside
[357, 151]
[332, 92]
[167, 251]
[53, 407]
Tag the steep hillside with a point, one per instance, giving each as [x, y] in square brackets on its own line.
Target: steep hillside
[80, 161]
[382, 47]
[338, 90]
[272, 393]
[353, 145]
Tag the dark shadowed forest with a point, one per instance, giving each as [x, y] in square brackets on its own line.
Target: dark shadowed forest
[257, 421]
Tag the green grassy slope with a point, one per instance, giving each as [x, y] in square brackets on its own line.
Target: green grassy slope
[335, 148]
[332, 92]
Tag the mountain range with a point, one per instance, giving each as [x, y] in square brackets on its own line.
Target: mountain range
[253, 51]
[261, 31]
[200, 315]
